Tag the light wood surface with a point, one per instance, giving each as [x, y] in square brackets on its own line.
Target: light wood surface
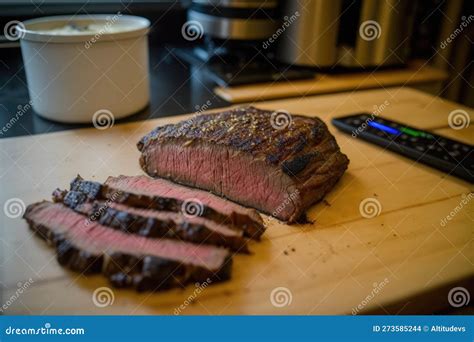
[329, 267]
[416, 74]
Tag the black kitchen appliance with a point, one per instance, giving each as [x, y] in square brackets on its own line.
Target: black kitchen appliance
[237, 41]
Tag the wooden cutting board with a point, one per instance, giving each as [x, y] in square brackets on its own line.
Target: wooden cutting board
[401, 261]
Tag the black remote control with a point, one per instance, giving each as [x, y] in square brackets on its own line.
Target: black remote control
[450, 156]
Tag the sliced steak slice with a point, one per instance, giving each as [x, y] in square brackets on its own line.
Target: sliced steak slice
[273, 161]
[160, 187]
[153, 223]
[127, 260]
[189, 208]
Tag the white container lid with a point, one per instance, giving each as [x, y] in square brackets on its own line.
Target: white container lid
[83, 28]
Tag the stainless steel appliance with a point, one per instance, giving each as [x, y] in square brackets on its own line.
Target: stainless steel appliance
[235, 19]
[249, 41]
[235, 33]
[311, 39]
[381, 36]
[365, 33]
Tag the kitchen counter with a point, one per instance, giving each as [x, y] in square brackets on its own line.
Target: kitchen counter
[176, 88]
[400, 260]
[179, 88]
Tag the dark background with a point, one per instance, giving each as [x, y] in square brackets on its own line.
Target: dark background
[177, 87]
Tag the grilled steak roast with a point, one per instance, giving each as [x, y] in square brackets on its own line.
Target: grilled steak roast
[277, 163]
[162, 188]
[152, 223]
[192, 207]
[127, 260]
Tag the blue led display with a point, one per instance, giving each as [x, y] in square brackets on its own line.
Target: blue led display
[384, 128]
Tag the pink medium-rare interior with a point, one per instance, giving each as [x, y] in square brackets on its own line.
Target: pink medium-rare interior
[165, 188]
[237, 175]
[98, 239]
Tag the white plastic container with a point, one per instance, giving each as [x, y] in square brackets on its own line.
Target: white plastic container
[77, 66]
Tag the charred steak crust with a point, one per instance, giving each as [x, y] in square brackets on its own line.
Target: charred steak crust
[141, 272]
[128, 222]
[303, 154]
[97, 191]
